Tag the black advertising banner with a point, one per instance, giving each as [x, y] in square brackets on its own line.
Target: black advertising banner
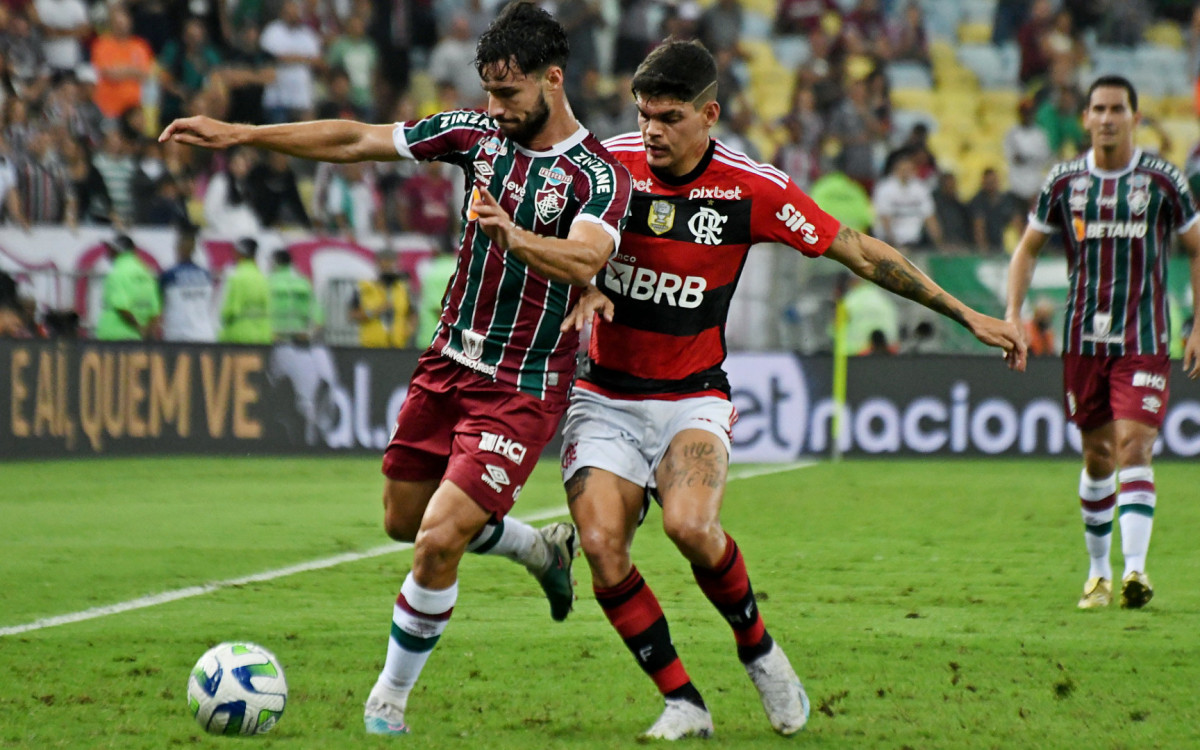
[93, 399]
[75, 399]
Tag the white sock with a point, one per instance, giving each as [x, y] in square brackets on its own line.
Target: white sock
[418, 620]
[513, 539]
[1097, 501]
[1136, 500]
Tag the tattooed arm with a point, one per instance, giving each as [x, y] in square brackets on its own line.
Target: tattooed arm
[879, 262]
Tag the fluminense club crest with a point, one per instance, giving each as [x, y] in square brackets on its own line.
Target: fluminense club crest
[1139, 193]
[548, 203]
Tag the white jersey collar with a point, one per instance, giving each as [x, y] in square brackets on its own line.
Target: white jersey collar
[1112, 174]
[559, 148]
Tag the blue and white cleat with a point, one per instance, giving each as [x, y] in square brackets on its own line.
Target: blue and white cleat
[381, 717]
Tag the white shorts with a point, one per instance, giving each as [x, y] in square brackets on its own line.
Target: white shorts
[629, 438]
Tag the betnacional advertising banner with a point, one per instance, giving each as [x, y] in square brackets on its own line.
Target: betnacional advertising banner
[62, 399]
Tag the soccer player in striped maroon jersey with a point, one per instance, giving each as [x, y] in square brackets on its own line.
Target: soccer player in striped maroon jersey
[1116, 209]
[548, 203]
[652, 412]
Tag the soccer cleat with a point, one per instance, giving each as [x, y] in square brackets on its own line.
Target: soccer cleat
[381, 717]
[783, 696]
[681, 718]
[1097, 592]
[1136, 590]
[560, 539]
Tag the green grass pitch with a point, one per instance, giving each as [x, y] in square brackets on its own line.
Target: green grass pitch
[925, 604]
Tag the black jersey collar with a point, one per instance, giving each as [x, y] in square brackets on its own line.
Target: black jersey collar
[675, 181]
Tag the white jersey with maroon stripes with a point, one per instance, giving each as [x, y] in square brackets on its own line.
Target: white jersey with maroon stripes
[1116, 227]
[500, 318]
[682, 251]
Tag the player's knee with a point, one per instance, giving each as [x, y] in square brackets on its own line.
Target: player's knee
[693, 536]
[601, 546]
[438, 548]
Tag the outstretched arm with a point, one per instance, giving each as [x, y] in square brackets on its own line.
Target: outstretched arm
[1020, 273]
[1191, 348]
[882, 264]
[322, 140]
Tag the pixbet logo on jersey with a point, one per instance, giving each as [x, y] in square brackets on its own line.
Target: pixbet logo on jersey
[720, 193]
[510, 449]
[643, 284]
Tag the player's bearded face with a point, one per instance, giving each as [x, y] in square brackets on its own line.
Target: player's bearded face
[524, 128]
[517, 103]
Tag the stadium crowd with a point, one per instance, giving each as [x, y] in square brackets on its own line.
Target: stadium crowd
[85, 86]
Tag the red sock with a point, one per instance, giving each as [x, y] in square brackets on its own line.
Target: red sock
[727, 586]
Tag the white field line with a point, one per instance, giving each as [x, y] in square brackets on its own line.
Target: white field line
[269, 575]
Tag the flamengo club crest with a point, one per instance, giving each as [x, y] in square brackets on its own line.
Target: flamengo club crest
[1139, 193]
[662, 216]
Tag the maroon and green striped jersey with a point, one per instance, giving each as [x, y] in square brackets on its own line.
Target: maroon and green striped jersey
[1116, 227]
[500, 318]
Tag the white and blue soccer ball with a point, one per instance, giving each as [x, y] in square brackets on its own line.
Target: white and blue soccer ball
[237, 688]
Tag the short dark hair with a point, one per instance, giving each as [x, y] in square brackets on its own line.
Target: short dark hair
[523, 35]
[675, 70]
[1114, 81]
[282, 257]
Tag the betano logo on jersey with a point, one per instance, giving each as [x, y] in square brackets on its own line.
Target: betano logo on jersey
[1107, 230]
[644, 284]
[796, 221]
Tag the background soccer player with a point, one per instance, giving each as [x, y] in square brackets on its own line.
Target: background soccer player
[1115, 209]
[488, 394]
[652, 413]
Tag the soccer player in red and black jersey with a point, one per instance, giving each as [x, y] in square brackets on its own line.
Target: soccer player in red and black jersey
[489, 392]
[652, 412]
[1115, 208]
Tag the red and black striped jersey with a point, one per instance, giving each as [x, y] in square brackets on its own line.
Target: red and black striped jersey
[500, 318]
[685, 242]
[1116, 227]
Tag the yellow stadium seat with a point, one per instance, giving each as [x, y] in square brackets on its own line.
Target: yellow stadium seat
[921, 100]
[975, 32]
[1165, 34]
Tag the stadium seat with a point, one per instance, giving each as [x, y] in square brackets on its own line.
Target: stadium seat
[755, 25]
[791, 51]
[922, 99]
[974, 33]
[909, 75]
[1166, 34]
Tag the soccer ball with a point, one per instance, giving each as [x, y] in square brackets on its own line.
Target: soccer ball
[237, 688]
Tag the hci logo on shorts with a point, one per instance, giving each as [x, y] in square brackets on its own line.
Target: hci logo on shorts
[510, 449]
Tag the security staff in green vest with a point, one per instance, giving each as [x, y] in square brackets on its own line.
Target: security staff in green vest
[295, 313]
[245, 313]
[130, 305]
[383, 307]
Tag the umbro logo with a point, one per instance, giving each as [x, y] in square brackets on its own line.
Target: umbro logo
[495, 477]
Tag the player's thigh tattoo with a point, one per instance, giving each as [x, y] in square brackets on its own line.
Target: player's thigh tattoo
[575, 484]
[695, 464]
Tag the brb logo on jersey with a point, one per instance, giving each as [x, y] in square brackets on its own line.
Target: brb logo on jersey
[706, 226]
[645, 284]
[796, 221]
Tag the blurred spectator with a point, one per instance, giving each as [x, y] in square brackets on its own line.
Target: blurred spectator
[338, 103]
[634, 35]
[1192, 44]
[18, 129]
[681, 21]
[228, 210]
[356, 53]
[904, 210]
[184, 67]
[729, 82]
[804, 108]
[91, 204]
[295, 315]
[868, 19]
[245, 311]
[424, 204]
[803, 16]
[794, 157]
[166, 204]
[916, 146]
[1124, 23]
[434, 275]
[580, 19]
[42, 182]
[158, 21]
[64, 26]
[350, 204]
[453, 60]
[721, 26]
[1028, 154]
[1039, 330]
[1032, 40]
[10, 197]
[910, 40]
[844, 199]
[297, 51]
[27, 68]
[130, 306]
[383, 307]
[122, 62]
[275, 192]
[992, 210]
[149, 170]
[734, 130]
[1059, 119]
[116, 166]
[69, 105]
[1007, 19]
[614, 115]
[855, 126]
[1062, 42]
[952, 214]
[247, 70]
[1192, 169]
[187, 294]
[869, 311]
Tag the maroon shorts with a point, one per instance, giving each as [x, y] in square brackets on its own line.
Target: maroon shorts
[1101, 389]
[458, 425]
